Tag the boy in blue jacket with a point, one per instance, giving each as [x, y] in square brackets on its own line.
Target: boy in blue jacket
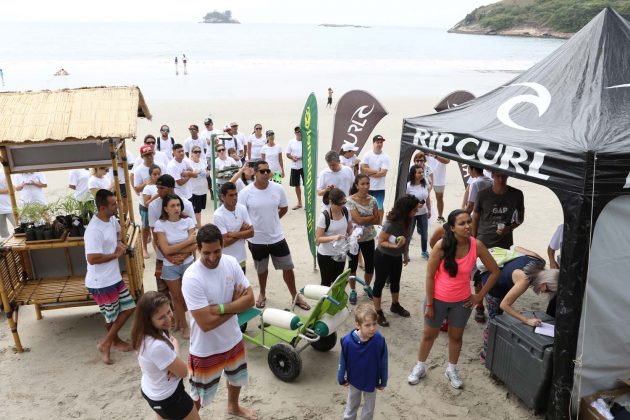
[363, 363]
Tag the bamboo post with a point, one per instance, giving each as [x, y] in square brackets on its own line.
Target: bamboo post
[125, 167]
[121, 215]
[7, 174]
[13, 325]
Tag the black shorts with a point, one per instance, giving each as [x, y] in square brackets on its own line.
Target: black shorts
[199, 202]
[279, 252]
[294, 181]
[329, 102]
[177, 406]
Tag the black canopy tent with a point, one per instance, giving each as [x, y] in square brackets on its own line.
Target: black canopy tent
[564, 124]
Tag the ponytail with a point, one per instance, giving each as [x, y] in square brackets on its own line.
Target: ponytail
[449, 243]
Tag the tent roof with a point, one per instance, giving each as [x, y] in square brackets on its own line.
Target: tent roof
[71, 114]
[574, 101]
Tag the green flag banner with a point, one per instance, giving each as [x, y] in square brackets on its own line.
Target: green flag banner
[308, 124]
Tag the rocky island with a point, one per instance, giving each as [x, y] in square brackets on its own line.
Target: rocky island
[535, 18]
[219, 17]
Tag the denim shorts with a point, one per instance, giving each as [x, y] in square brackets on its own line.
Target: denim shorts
[173, 272]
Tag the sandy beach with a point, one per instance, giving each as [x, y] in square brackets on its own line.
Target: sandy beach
[62, 375]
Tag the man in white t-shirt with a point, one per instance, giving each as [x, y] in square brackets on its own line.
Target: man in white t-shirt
[294, 153]
[216, 291]
[266, 203]
[195, 140]
[78, 181]
[165, 142]
[555, 245]
[240, 138]
[158, 156]
[438, 166]
[480, 182]
[335, 176]
[230, 141]
[234, 223]
[103, 248]
[31, 185]
[375, 164]
[181, 170]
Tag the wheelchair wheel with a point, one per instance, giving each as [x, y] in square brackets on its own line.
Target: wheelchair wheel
[284, 361]
[325, 343]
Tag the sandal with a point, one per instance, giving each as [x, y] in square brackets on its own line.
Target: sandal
[260, 303]
[296, 207]
[303, 305]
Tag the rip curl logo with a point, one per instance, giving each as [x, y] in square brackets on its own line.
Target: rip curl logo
[541, 101]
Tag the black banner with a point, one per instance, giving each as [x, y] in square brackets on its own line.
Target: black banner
[356, 115]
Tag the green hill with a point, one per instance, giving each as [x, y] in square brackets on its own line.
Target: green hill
[559, 18]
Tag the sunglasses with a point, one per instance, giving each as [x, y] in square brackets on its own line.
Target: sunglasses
[193, 129]
[220, 150]
[258, 128]
[297, 131]
[149, 142]
[196, 152]
[264, 171]
[148, 155]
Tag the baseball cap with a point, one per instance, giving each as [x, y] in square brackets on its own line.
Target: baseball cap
[146, 149]
[165, 128]
[226, 127]
[378, 137]
[269, 133]
[166, 181]
[349, 147]
[208, 121]
[234, 124]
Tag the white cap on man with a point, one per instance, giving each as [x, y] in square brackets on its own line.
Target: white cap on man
[347, 147]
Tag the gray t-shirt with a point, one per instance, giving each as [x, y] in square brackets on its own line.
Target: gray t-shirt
[498, 208]
[395, 229]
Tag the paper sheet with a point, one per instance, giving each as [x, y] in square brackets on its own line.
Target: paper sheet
[545, 329]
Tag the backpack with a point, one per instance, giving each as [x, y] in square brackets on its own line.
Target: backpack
[327, 217]
[158, 143]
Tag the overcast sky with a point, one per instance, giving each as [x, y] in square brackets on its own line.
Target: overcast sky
[423, 13]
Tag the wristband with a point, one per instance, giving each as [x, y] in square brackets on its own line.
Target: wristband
[221, 309]
[430, 305]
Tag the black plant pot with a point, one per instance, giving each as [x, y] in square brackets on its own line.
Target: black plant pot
[19, 230]
[30, 234]
[56, 233]
[47, 234]
[39, 234]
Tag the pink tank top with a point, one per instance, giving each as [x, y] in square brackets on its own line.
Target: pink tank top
[455, 289]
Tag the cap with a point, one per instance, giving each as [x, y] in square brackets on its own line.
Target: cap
[378, 137]
[234, 124]
[193, 127]
[207, 121]
[226, 127]
[269, 133]
[165, 129]
[349, 147]
[166, 181]
[146, 149]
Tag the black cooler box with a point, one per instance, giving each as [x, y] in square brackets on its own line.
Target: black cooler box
[520, 358]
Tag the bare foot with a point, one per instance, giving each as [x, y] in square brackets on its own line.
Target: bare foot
[244, 412]
[122, 346]
[104, 354]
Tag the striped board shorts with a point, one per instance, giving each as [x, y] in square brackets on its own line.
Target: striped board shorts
[205, 372]
[112, 300]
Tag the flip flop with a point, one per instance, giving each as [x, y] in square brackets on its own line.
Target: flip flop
[260, 303]
[296, 207]
[303, 305]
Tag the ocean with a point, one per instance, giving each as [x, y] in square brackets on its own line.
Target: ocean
[260, 61]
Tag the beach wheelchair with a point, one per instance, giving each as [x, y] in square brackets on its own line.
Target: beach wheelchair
[286, 334]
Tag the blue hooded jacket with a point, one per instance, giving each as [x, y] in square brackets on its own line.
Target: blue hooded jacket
[363, 364]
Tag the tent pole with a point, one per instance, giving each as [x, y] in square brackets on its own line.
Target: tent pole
[121, 215]
[125, 166]
[7, 174]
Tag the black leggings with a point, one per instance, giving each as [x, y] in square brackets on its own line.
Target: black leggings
[367, 249]
[386, 266]
[329, 269]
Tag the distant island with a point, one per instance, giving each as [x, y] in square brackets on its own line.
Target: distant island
[535, 18]
[337, 25]
[218, 17]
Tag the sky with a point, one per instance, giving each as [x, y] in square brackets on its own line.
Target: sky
[425, 13]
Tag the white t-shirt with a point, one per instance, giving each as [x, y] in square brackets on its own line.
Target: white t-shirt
[556, 241]
[376, 162]
[199, 185]
[101, 238]
[262, 206]
[101, 183]
[336, 227]
[203, 287]
[175, 233]
[228, 221]
[421, 193]
[149, 190]
[273, 154]
[479, 184]
[348, 162]
[439, 171]
[220, 164]
[241, 141]
[175, 169]
[240, 185]
[294, 147]
[31, 193]
[141, 173]
[154, 357]
[189, 143]
[231, 142]
[5, 200]
[342, 179]
[166, 146]
[255, 144]
[155, 210]
[159, 158]
[79, 178]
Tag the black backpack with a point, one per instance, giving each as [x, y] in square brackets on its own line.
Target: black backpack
[158, 142]
[327, 217]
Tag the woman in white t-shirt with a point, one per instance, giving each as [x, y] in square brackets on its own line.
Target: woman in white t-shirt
[348, 158]
[244, 176]
[99, 180]
[221, 162]
[255, 142]
[163, 370]
[418, 186]
[339, 227]
[199, 185]
[272, 154]
[176, 236]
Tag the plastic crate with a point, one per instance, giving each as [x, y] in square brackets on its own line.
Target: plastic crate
[520, 358]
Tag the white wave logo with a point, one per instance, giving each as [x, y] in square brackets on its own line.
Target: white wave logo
[541, 101]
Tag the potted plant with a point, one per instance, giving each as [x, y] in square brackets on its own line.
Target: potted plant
[35, 217]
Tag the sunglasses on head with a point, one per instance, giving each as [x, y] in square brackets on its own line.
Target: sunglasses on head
[264, 171]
